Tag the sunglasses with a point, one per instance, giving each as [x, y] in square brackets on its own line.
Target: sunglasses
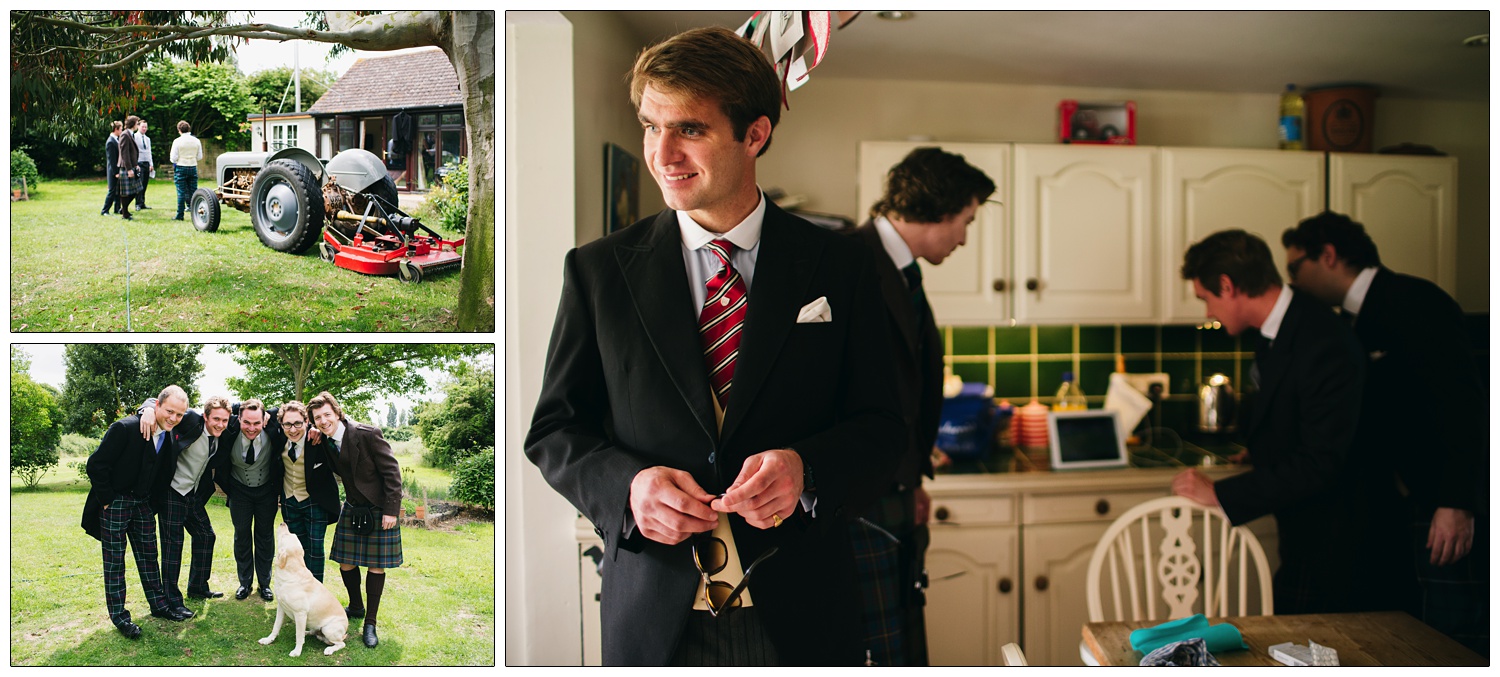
[711, 556]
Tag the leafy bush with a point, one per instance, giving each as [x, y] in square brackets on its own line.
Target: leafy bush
[448, 202]
[474, 480]
[83, 469]
[462, 423]
[400, 434]
[36, 428]
[22, 166]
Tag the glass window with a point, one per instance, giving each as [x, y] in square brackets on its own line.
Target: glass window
[426, 170]
[325, 147]
[451, 146]
[325, 123]
[348, 134]
[276, 138]
[453, 119]
[429, 120]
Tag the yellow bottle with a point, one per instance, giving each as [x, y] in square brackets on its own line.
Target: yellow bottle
[1290, 122]
[1069, 396]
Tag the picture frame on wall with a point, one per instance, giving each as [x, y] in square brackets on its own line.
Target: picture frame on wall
[622, 188]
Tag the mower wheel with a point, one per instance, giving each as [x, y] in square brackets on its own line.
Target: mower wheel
[286, 206]
[325, 251]
[409, 273]
[205, 210]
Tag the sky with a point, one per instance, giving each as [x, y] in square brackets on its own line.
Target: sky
[47, 366]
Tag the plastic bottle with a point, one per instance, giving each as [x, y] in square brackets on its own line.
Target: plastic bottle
[1290, 122]
[1069, 396]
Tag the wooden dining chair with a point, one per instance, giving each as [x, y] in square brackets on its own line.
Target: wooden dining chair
[1013, 655]
[1171, 558]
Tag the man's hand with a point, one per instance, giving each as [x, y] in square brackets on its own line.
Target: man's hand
[387, 521]
[669, 506]
[148, 422]
[769, 483]
[1195, 485]
[1240, 457]
[314, 436]
[924, 505]
[1451, 535]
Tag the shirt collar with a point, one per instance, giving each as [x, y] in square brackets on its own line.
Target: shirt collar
[896, 247]
[1272, 324]
[745, 236]
[1355, 299]
[338, 435]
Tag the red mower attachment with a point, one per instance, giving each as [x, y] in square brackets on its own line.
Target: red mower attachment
[413, 260]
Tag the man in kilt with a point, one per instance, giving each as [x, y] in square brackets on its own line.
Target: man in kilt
[118, 506]
[368, 532]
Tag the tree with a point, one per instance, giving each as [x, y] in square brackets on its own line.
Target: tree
[390, 414]
[69, 62]
[212, 97]
[35, 425]
[474, 479]
[104, 380]
[464, 422]
[20, 360]
[272, 89]
[355, 373]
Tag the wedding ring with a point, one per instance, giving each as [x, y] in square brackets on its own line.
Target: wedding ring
[775, 520]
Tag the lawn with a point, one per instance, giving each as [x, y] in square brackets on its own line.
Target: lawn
[438, 607]
[68, 273]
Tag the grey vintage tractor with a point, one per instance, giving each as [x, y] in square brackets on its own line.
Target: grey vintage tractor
[290, 195]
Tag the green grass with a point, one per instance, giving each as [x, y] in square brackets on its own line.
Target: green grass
[68, 273]
[438, 607]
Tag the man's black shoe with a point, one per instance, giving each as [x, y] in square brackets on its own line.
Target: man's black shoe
[354, 613]
[140, 207]
[265, 594]
[243, 592]
[177, 218]
[127, 218]
[370, 639]
[130, 630]
[104, 212]
[185, 612]
[172, 614]
[204, 594]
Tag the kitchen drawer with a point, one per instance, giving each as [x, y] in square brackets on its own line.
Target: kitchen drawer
[973, 510]
[1098, 506]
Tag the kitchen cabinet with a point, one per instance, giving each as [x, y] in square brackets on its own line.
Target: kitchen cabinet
[1086, 233]
[1408, 205]
[1206, 190]
[973, 578]
[971, 286]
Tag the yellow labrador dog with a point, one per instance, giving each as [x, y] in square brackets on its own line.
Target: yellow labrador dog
[299, 595]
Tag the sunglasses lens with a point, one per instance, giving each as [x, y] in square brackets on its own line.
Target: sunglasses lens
[711, 555]
[718, 596]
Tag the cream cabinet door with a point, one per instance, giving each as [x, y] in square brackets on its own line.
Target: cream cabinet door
[1086, 233]
[973, 594]
[1409, 207]
[1056, 563]
[1207, 190]
[971, 286]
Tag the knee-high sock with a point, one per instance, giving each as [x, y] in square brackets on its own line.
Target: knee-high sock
[374, 585]
[351, 581]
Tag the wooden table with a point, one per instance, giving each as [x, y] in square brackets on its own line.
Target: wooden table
[1362, 639]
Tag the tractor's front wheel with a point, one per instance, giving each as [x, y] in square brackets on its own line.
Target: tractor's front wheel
[286, 206]
[205, 210]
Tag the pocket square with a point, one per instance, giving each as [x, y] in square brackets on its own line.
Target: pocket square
[817, 311]
[317, 465]
[1375, 355]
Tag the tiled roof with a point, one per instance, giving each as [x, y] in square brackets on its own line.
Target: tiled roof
[418, 79]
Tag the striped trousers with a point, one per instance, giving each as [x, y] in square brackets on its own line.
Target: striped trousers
[183, 512]
[129, 518]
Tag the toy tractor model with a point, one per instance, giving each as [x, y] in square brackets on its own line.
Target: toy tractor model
[290, 195]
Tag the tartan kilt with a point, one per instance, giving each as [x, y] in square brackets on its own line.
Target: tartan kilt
[381, 549]
[126, 186]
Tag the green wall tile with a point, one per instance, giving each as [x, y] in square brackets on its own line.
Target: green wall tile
[1049, 377]
[973, 372]
[1054, 339]
[1013, 380]
[971, 341]
[1217, 341]
[1138, 339]
[1096, 340]
[1094, 376]
[1012, 340]
[1184, 380]
[1178, 339]
[1140, 365]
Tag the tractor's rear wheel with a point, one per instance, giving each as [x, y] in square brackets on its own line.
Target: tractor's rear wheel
[286, 206]
[385, 189]
[205, 210]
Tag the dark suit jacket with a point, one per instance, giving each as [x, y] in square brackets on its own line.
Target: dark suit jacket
[123, 465]
[183, 435]
[1305, 471]
[275, 440]
[368, 468]
[1418, 354]
[626, 389]
[111, 155]
[918, 356]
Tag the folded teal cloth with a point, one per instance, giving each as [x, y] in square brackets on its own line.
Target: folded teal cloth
[1221, 637]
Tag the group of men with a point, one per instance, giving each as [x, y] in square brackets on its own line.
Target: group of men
[744, 404]
[155, 471]
[134, 164]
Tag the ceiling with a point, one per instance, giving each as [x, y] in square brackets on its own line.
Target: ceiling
[1406, 54]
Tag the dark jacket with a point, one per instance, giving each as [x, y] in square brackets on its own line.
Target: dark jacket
[626, 389]
[123, 465]
[183, 435]
[111, 154]
[370, 472]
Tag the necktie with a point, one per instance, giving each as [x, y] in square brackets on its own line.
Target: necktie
[213, 445]
[161, 440]
[1262, 353]
[293, 451]
[720, 322]
[334, 445]
[250, 453]
[1348, 316]
[913, 273]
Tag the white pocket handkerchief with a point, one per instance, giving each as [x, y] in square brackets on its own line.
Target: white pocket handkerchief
[817, 311]
[1375, 355]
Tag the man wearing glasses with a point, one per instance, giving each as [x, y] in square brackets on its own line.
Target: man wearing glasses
[718, 389]
[309, 493]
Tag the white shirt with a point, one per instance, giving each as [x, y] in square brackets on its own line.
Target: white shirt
[896, 247]
[186, 151]
[703, 264]
[143, 144]
[1355, 299]
[1272, 324]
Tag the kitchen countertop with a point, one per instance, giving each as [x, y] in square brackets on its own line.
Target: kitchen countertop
[1169, 450]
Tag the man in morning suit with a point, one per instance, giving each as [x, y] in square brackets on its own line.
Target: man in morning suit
[719, 389]
[121, 474]
[184, 483]
[111, 158]
[930, 199]
[1299, 428]
[1415, 345]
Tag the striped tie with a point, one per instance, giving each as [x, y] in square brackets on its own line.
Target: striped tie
[721, 320]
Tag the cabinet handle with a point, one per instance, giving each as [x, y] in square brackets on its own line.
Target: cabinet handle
[1005, 585]
[999, 285]
[941, 514]
[1031, 284]
[1102, 507]
[1042, 583]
